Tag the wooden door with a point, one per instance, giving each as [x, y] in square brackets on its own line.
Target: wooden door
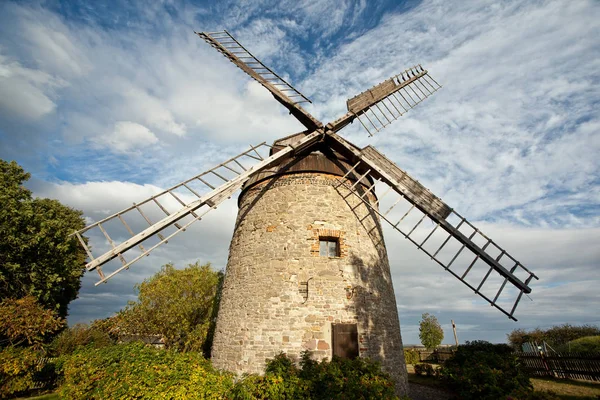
[345, 340]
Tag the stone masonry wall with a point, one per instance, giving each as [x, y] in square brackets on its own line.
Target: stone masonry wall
[274, 256]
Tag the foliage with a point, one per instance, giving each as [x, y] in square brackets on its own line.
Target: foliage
[177, 304]
[17, 370]
[338, 379]
[37, 255]
[481, 370]
[557, 336]
[268, 387]
[411, 356]
[281, 365]
[359, 378]
[127, 371]
[520, 336]
[430, 331]
[79, 335]
[109, 326]
[584, 345]
[425, 369]
[25, 322]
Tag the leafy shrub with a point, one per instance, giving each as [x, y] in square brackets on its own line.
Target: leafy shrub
[481, 370]
[281, 365]
[79, 335]
[338, 379]
[270, 387]
[18, 370]
[343, 378]
[418, 369]
[424, 369]
[281, 381]
[412, 356]
[126, 371]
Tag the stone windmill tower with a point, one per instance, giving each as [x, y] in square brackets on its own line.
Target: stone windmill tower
[308, 267]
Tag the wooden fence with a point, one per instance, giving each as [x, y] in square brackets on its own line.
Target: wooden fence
[436, 356]
[563, 365]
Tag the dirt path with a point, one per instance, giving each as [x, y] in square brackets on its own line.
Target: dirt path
[421, 392]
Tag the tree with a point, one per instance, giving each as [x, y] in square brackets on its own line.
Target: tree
[180, 305]
[430, 331]
[25, 322]
[37, 255]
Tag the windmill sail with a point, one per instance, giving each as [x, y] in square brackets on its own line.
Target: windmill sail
[443, 234]
[283, 92]
[384, 103]
[175, 213]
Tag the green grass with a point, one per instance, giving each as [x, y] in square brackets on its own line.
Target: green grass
[566, 389]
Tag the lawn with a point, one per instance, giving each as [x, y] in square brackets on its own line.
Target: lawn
[568, 389]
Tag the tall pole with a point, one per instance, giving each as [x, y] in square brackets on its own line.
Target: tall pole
[454, 329]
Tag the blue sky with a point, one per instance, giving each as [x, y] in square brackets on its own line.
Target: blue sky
[106, 103]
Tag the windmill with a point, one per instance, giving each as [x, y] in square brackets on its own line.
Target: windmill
[308, 266]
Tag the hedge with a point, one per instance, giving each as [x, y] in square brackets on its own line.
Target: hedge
[133, 371]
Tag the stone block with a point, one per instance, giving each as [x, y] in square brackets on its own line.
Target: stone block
[322, 345]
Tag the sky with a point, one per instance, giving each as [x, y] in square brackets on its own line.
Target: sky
[107, 103]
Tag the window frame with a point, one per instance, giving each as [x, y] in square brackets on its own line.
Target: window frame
[328, 240]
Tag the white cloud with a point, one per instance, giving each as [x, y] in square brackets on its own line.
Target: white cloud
[26, 92]
[128, 136]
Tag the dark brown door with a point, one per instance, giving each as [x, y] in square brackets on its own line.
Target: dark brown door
[345, 340]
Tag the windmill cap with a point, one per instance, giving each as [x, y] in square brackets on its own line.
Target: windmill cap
[319, 158]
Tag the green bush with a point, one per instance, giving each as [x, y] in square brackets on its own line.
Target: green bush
[411, 356]
[269, 387]
[424, 369]
[18, 370]
[79, 335]
[281, 381]
[342, 378]
[134, 370]
[338, 379]
[481, 370]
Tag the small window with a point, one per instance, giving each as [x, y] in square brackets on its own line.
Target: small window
[329, 247]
